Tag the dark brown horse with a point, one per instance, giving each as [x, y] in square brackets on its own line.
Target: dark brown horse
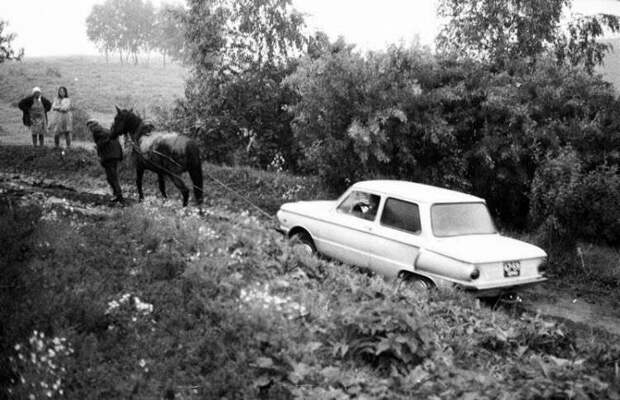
[165, 153]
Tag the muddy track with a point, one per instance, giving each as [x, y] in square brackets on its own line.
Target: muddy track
[546, 299]
[54, 196]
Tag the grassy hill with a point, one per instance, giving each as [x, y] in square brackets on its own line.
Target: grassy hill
[94, 86]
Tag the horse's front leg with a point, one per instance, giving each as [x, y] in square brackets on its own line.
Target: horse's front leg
[178, 182]
[139, 175]
[161, 179]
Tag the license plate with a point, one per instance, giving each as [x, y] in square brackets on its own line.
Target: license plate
[512, 268]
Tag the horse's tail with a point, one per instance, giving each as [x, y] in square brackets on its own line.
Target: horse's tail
[194, 167]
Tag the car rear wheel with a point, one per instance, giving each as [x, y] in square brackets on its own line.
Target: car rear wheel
[417, 283]
[304, 242]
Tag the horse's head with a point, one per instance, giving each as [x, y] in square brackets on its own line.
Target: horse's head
[125, 122]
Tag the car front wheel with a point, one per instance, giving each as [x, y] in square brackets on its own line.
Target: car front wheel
[304, 242]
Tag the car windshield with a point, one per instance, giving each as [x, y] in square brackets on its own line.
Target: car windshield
[455, 219]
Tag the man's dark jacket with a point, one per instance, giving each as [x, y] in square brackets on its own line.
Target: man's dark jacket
[108, 147]
[25, 105]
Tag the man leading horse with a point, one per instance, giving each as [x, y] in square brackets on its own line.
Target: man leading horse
[110, 154]
[168, 154]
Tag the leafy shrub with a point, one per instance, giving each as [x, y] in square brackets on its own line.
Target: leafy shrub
[599, 196]
[571, 205]
[252, 318]
[552, 187]
[80, 131]
[385, 334]
[17, 226]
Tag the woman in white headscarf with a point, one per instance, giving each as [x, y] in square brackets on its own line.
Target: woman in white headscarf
[34, 109]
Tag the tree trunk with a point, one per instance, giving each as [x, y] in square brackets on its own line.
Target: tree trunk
[107, 56]
[163, 53]
[120, 53]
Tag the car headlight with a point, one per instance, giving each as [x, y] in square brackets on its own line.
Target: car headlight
[475, 274]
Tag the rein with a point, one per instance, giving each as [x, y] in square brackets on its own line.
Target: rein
[137, 150]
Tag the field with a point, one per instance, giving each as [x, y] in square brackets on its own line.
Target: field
[94, 86]
[154, 301]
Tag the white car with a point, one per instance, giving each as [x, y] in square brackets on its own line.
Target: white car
[430, 235]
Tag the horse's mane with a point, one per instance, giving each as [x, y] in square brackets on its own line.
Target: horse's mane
[142, 128]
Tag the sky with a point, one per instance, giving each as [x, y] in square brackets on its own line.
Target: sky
[57, 27]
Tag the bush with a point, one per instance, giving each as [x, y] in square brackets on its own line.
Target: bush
[598, 194]
[80, 131]
[155, 301]
[17, 225]
[568, 205]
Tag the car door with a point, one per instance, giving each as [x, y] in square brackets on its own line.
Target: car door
[348, 236]
[397, 237]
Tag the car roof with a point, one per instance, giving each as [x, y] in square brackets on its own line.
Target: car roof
[416, 191]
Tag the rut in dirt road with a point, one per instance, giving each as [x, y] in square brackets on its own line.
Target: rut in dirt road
[54, 196]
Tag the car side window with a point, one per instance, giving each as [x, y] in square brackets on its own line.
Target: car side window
[360, 204]
[401, 215]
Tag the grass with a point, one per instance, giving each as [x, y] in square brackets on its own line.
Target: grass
[94, 86]
[158, 302]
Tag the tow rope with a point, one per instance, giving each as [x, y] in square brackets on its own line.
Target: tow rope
[137, 150]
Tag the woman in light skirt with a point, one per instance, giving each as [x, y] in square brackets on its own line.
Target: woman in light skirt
[63, 120]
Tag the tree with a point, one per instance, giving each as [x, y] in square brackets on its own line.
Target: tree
[240, 51]
[501, 31]
[122, 25]
[580, 46]
[243, 35]
[6, 50]
[169, 31]
[102, 28]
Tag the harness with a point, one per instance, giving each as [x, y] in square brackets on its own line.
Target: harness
[136, 149]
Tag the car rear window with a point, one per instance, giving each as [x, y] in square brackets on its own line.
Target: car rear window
[401, 215]
[455, 219]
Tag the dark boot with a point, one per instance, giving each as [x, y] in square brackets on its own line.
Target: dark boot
[118, 200]
[111, 172]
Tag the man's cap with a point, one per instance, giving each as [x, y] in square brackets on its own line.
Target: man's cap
[92, 122]
[36, 89]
